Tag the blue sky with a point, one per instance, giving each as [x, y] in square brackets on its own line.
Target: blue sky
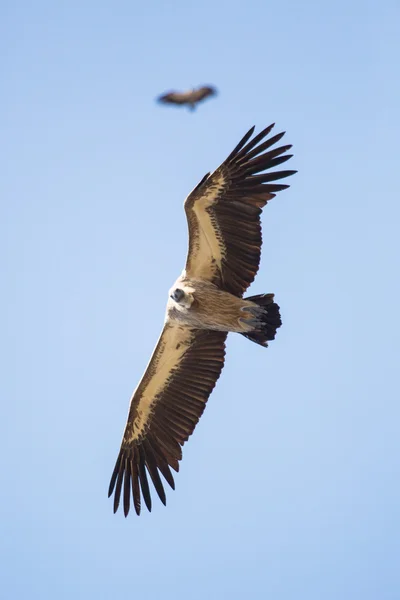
[289, 487]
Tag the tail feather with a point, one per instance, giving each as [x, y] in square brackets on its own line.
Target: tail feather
[270, 320]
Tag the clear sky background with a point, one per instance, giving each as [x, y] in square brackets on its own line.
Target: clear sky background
[289, 488]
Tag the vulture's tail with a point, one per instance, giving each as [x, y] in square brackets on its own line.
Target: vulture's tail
[270, 319]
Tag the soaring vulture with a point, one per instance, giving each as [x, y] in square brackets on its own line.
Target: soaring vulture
[205, 303]
[190, 97]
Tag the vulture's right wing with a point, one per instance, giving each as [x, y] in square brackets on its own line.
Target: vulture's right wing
[165, 409]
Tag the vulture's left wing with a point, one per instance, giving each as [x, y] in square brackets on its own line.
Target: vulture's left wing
[165, 409]
[223, 213]
[174, 98]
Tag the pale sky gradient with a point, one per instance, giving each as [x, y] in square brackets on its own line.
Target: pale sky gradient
[289, 488]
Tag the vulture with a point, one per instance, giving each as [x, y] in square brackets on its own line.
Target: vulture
[205, 303]
[190, 97]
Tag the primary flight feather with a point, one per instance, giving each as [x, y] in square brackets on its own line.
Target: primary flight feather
[205, 303]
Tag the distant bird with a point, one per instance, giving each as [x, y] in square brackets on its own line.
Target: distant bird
[190, 97]
[205, 303]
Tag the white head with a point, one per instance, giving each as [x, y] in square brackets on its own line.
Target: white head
[182, 298]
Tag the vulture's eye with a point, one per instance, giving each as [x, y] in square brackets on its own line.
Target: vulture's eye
[177, 295]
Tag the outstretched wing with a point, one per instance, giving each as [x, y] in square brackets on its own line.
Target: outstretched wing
[223, 213]
[164, 411]
[202, 93]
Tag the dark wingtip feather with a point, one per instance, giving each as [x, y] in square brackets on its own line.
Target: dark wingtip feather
[151, 465]
[280, 159]
[118, 487]
[113, 477]
[144, 484]
[242, 142]
[276, 187]
[252, 143]
[270, 176]
[201, 182]
[127, 487]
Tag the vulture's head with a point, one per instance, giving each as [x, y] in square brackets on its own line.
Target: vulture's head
[181, 297]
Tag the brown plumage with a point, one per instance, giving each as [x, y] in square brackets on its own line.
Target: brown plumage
[206, 302]
[190, 98]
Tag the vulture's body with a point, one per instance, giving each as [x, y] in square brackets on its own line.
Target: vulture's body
[205, 303]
